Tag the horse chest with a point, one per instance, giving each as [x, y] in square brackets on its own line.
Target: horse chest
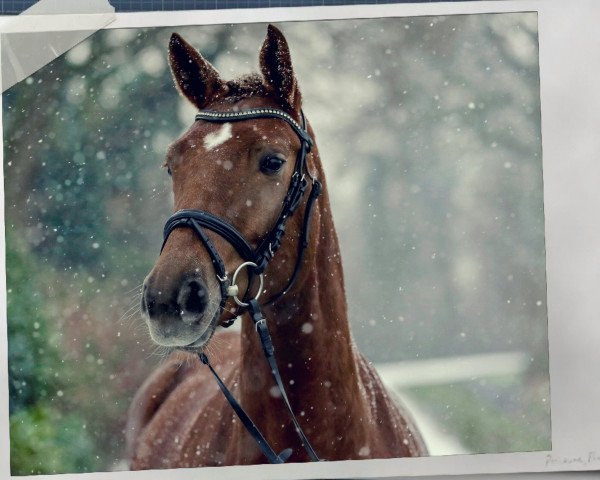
[190, 426]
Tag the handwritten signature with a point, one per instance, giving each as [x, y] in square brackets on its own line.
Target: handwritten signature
[591, 457]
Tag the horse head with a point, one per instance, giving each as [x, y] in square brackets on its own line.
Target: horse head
[239, 172]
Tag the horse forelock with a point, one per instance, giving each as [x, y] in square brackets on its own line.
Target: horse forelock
[251, 85]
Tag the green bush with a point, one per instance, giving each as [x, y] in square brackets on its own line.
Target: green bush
[42, 438]
[33, 355]
[44, 441]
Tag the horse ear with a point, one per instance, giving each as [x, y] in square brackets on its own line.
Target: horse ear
[194, 76]
[276, 66]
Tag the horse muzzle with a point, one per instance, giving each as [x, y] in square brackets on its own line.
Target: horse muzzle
[179, 316]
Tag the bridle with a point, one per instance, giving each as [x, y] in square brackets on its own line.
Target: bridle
[256, 260]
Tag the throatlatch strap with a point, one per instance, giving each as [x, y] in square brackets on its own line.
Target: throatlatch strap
[302, 242]
[246, 420]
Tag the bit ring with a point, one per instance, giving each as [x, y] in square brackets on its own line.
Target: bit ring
[233, 284]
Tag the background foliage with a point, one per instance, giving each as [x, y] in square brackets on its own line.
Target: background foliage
[429, 129]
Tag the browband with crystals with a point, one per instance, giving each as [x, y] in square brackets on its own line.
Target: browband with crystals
[251, 113]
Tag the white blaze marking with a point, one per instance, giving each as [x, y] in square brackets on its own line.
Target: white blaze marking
[213, 140]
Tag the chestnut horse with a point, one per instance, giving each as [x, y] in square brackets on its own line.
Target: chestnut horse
[240, 172]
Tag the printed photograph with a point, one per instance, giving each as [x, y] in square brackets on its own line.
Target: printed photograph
[277, 243]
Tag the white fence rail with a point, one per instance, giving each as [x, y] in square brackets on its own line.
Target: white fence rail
[441, 371]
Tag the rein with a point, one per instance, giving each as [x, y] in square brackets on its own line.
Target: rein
[256, 261]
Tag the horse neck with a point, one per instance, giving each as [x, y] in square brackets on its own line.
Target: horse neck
[310, 331]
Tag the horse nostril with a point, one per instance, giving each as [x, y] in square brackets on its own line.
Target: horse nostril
[155, 304]
[192, 297]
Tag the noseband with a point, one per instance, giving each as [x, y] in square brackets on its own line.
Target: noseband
[256, 259]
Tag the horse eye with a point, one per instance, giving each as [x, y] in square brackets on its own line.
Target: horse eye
[271, 164]
[169, 171]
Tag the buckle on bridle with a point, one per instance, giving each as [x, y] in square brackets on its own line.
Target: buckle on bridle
[258, 323]
[224, 279]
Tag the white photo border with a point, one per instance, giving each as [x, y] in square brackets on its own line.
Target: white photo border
[569, 70]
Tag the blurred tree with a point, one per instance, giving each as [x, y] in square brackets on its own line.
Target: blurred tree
[33, 350]
[43, 439]
[447, 164]
[85, 138]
